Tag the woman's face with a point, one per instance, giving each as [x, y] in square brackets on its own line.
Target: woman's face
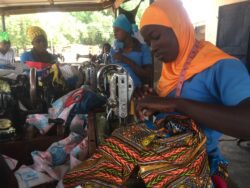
[40, 44]
[163, 42]
[120, 34]
[106, 49]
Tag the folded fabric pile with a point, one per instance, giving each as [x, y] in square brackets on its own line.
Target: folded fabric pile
[52, 164]
[79, 101]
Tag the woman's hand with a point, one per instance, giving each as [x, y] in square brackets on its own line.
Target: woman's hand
[119, 57]
[143, 91]
[139, 94]
[151, 104]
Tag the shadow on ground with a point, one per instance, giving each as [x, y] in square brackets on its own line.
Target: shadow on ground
[239, 161]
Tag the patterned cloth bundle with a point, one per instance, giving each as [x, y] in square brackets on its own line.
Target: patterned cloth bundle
[170, 155]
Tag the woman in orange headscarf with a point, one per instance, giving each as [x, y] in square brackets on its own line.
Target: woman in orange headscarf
[197, 79]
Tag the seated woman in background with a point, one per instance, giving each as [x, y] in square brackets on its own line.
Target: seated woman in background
[7, 54]
[39, 51]
[130, 53]
[103, 57]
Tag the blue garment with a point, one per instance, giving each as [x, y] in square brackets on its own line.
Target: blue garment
[227, 83]
[123, 23]
[118, 46]
[141, 58]
[26, 56]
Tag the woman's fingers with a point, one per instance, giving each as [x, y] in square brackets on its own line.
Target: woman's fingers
[138, 94]
[139, 111]
[151, 90]
[143, 109]
[142, 92]
[159, 122]
[147, 112]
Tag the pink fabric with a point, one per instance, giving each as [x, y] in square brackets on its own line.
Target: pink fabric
[219, 182]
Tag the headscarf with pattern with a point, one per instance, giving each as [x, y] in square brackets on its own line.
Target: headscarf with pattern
[35, 31]
[171, 13]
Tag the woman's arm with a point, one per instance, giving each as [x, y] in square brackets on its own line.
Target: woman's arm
[234, 120]
[23, 58]
[144, 72]
[26, 56]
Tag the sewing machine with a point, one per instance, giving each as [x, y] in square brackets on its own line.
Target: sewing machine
[89, 70]
[114, 82]
[10, 116]
[26, 95]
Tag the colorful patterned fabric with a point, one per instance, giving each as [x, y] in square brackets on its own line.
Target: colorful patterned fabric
[173, 155]
[79, 101]
[57, 78]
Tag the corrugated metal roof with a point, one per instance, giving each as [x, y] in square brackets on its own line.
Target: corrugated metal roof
[32, 6]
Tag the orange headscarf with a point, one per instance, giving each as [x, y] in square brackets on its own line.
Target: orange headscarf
[172, 14]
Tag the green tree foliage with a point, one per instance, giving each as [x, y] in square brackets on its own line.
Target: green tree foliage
[88, 28]
[99, 26]
[17, 27]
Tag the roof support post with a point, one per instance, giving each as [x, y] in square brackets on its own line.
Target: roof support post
[3, 22]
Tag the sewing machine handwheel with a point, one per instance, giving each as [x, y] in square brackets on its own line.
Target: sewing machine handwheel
[105, 69]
